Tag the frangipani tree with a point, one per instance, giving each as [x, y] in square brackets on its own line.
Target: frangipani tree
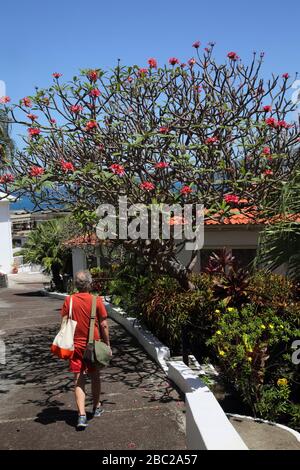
[182, 132]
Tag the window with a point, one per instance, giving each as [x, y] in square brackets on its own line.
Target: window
[244, 257]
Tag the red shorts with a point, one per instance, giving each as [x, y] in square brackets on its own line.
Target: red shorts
[77, 363]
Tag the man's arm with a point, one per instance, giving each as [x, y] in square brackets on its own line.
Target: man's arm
[104, 332]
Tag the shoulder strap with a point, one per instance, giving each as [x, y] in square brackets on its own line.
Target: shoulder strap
[70, 307]
[92, 322]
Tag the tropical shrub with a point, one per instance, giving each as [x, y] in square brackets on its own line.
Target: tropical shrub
[253, 348]
[167, 310]
[279, 243]
[45, 246]
[230, 282]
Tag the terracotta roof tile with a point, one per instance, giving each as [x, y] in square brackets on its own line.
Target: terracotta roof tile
[82, 240]
[245, 216]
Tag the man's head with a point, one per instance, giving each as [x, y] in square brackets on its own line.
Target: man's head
[83, 281]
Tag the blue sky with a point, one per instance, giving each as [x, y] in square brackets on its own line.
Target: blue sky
[41, 37]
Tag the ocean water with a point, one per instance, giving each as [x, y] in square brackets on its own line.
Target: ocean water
[25, 203]
[22, 204]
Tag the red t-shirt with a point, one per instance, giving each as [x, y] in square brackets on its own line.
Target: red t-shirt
[81, 312]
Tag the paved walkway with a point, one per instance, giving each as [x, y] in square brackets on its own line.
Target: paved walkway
[142, 409]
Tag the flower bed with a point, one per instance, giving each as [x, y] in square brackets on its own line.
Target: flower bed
[245, 324]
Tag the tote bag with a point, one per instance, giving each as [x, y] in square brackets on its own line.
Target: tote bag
[96, 353]
[63, 344]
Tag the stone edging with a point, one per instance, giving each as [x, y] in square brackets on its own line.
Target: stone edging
[157, 350]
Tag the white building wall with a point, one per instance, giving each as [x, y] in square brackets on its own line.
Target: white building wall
[232, 238]
[79, 260]
[218, 237]
[6, 250]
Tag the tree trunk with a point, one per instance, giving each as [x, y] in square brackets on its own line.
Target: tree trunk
[179, 272]
[55, 269]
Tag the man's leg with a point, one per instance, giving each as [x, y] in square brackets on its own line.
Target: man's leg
[96, 387]
[80, 392]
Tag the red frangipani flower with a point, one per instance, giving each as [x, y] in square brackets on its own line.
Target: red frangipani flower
[56, 74]
[173, 61]
[266, 151]
[211, 140]
[192, 62]
[271, 122]
[161, 165]
[36, 171]
[93, 75]
[4, 99]
[7, 178]
[33, 117]
[152, 63]
[76, 108]
[285, 75]
[67, 166]
[147, 186]
[164, 130]
[268, 172]
[196, 44]
[283, 124]
[231, 198]
[26, 102]
[232, 56]
[94, 93]
[90, 125]
[117, 169]
[142, 72]
[34, 131]
[53, 121]
[186, 190]
[267, 108]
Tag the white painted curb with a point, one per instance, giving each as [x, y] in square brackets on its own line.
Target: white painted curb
[187, 380]
[207, 426]
[157, 350]
[54, 295]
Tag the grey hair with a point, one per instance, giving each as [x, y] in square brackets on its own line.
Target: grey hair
[83, 281]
